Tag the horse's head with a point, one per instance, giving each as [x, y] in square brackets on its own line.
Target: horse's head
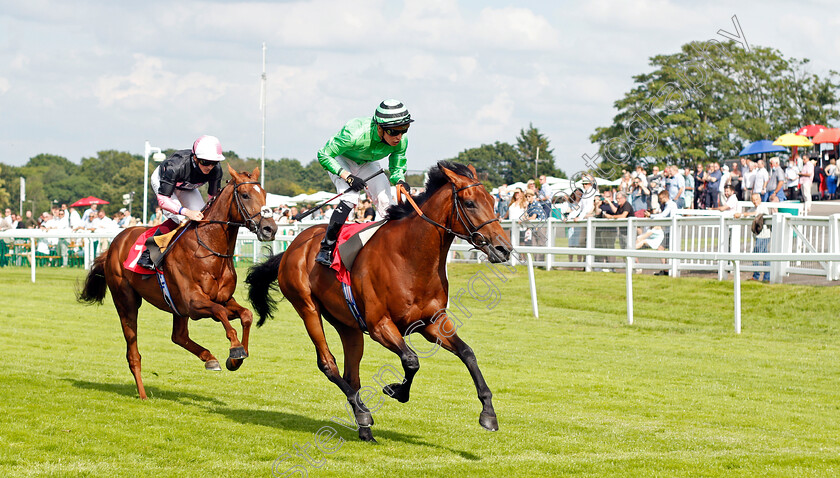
[248, 205]
[474, 216]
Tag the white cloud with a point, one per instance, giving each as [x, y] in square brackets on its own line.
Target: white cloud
[148, 81]
[19, 62]
[513, 28]
[4, 85]
[497, 111]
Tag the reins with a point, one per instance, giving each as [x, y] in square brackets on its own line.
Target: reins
[457, 211]
[249, 221]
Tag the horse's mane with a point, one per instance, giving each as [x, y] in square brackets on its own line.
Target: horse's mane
[437, 179]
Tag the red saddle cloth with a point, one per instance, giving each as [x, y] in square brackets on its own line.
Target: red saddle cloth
[139, 246]
[347, 231]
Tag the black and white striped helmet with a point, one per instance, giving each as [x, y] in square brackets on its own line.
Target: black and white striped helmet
[392, 113]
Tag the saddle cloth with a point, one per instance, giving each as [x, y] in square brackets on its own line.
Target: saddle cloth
[167, 230]
[351, 239]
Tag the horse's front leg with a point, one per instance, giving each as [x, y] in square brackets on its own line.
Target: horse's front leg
[247, 319]
[387, 334]
[451, 342]
[204, 307]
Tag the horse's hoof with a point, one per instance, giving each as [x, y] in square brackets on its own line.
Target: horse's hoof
[397, 391]
[233, 364]
[213, 365]
[238, 352]
[364, 419]
[366, 435]
[488, 421]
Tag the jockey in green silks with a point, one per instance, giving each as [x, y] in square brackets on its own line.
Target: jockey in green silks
[353, 154]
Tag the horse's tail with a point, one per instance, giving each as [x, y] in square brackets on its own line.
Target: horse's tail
[262, 279]
[95, 286]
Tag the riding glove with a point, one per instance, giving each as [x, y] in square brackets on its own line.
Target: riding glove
[404, 185]
[356, 183]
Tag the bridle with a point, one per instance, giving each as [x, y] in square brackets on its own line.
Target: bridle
[473, 236]
[249, 221]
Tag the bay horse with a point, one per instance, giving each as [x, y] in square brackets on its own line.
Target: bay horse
[199, 272]
[399, 282]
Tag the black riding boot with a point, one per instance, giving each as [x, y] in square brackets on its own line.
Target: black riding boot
[337, 220]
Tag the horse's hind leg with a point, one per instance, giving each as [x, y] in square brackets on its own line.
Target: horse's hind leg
[127, 303]
[387, 334]
[454, 344]
[310, 313]
[181, 336]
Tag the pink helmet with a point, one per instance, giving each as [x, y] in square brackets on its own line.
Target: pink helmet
[209, 148]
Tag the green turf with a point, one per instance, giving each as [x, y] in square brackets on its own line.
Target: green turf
[578, 391]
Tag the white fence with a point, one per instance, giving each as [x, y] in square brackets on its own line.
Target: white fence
[806, 238]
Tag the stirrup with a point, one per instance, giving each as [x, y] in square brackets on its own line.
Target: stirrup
[324, 257]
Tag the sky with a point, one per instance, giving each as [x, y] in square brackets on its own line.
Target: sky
[84, 76]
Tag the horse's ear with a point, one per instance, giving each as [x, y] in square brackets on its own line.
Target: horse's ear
[454, 177]
[255, 174]
[472, 169]
[233, 172]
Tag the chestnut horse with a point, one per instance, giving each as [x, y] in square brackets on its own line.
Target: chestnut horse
[399, 282]
[198, 270]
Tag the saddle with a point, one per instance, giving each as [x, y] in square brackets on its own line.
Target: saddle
[159, 245]
[148, 240]
[351, 239]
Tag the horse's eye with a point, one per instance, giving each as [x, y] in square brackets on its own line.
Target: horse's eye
[246, 196]
[469, 204]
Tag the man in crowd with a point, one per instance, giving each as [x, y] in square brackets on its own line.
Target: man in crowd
[621, 209]
[639, 197]
[761, 231]
[792, 179]
[713, 177]
[730, 203]
[806, 179]
[749, 178]
[776, 181]
[655, 237]
[675, 184]
[761, 179]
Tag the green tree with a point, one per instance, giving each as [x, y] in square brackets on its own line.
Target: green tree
[491, 161]
[527, 144]
[707, 101]
[4, 195]
[112, 174]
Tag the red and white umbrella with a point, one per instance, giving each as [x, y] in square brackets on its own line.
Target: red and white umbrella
[811, 130]
[88, 201]
[830, 135]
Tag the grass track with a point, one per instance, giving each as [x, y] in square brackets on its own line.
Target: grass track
[578, 392]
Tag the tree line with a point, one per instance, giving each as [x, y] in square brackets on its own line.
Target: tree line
[709, 100]
[52, 179]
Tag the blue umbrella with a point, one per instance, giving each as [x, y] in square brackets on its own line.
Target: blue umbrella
[762, 146]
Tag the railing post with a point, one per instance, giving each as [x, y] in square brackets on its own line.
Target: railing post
[590, 243]
[533, 284]
[514, 239]
[549, 258]
[737, 285]
[721, 248]
[786, 246]
[32, 252]
[629, 288]
[674, 245]
[776, 239]
[631, 238]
